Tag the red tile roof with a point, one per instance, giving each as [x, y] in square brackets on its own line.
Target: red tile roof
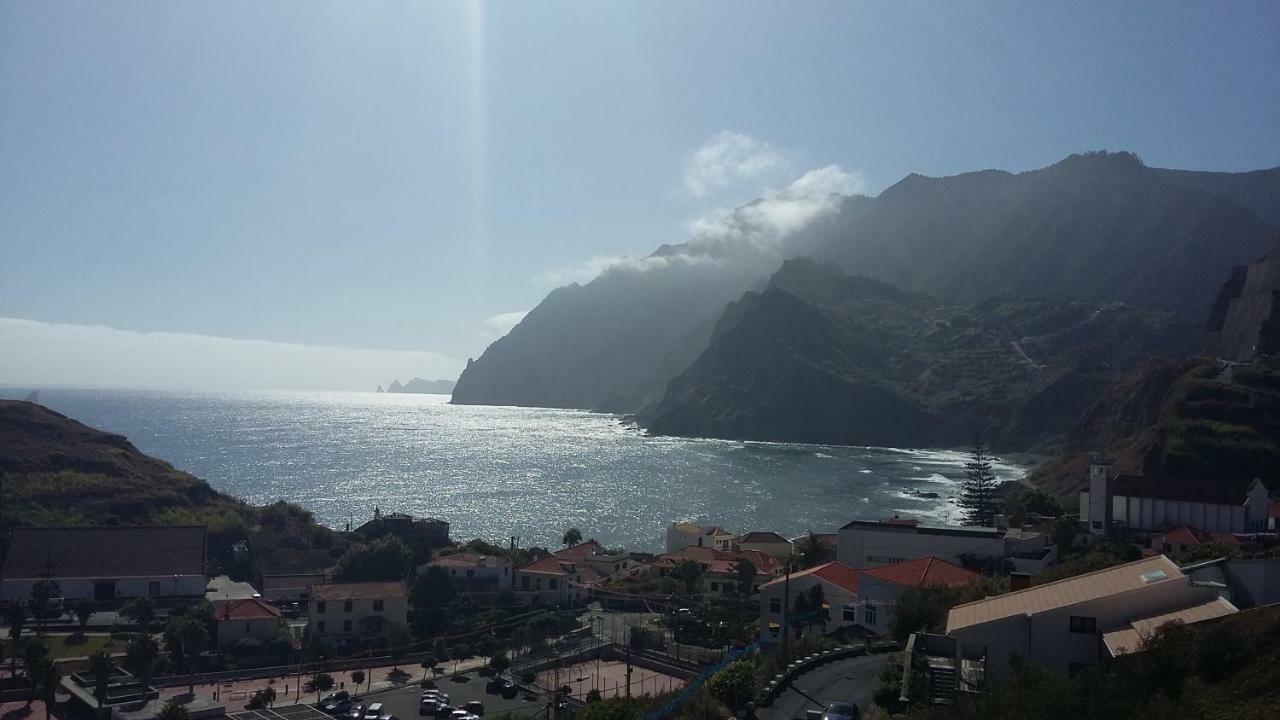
[1182, 535]
[249, 609]
[924, 571]
[699, 554]
[763, 561]
[1224, 538]
[579, 551]
[549, 565]
[358, 591]
[841, 576]
[468, 559]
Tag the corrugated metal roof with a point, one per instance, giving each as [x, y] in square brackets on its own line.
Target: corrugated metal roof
[1069, 591]
[1129, 639]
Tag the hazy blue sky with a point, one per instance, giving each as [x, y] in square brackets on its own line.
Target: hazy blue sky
[411, 176]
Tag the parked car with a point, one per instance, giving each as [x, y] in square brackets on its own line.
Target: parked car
[475, 707]
[509, 690]
[338, 707]
[356, 712]
[373, 712]
[445, 710]
[841, 711]
[428, 707]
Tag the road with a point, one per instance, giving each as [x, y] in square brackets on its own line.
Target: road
[852, 680]
[403, 703]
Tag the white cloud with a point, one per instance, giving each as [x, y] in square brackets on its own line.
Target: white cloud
[582, 272]
[41, 354]
[728, 158]
[503, 322]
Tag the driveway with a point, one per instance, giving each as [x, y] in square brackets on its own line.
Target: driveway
[851, 680]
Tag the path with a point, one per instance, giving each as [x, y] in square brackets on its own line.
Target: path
[851, 680]
[1018, 347]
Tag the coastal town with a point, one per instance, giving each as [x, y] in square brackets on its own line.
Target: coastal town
[137, 622]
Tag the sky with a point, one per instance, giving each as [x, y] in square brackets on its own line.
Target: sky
[329, 195]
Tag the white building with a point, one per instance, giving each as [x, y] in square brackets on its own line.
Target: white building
[1062, 624]
[473, 573]
[1135, 502]
[870, 543]
[681, 535]
[107, 563]
[235, 620]
[356, 610]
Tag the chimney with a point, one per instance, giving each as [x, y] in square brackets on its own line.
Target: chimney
[1019, 581]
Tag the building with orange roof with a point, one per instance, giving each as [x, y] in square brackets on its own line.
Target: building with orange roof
[768, 542]
[356, 610]
[235, 620]
[476, 575]
[1181, 538]
[860, 597]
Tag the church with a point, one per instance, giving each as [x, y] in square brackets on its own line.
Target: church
[1136, 502]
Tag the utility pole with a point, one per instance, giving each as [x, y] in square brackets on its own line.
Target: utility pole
[786, 610]
[628, 671]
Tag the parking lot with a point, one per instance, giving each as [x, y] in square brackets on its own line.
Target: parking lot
[403, 702]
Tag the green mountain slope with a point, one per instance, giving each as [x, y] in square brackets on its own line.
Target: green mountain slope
[820, 356]
[56, 471]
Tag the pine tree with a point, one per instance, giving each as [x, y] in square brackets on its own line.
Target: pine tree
[978, 496]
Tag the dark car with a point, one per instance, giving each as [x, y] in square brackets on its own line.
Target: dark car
[445, 711]
[337, 707]
[841, 711]
[509, 690]
[475, 707]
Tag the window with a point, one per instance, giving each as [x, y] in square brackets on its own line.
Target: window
[1084, 624]
[537, 583]
[524, 582]
[715, 587]
[153, 588]
[320, 627]
[869, 615]
[1097, 524]
[471, 573]
[552, 583]
[346, 626]
[850, 614]
[346, 606]
[320, 610]
[246, 627]
[775, 605]
[377, 606]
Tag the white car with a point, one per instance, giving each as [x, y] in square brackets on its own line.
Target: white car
[373, 712]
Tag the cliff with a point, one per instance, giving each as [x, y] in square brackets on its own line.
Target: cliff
[1099, 228]
[820, 356]
[1245, 319]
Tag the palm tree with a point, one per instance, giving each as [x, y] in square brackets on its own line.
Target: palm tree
[140, 657]
[572, 536]
[357, 678]
[48, 676]
[428, 664]
[100, 667]
[173, 710]
[191, 637]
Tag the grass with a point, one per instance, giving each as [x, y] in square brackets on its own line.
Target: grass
[69, 646]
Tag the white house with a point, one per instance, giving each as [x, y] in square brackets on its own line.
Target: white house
[1136, 502]
[681, 535]
[551, 581]
[107, 563]
[234, 620]
[356, 610]
[870, 543]
[1062, 624]
[473, 573]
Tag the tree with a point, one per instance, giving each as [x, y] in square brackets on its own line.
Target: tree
[572, 537]
[16, 618]
[745, 575]
[616, 708]
[47, 678]
[594, 696]
[141, 610]
[817, 598]
[460, 652]
[428, 664]
[267, 696]
[815, 551]
[42, 592]
[487, 646]
[322, 682]
[100, 668]
[84, 610]
[140, 657]
[173, 710]
[978, 492]
[690, 573]
[735, 685]
[384, 559]
[187, 635]
[499, 663]
[357, 678]
[34, 650]
[399, 642]
[432, 589]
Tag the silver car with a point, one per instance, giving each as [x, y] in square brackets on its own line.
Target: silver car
[841, 711]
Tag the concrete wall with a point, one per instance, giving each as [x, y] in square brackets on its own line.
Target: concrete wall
[1150, 513]
[495, 577]
[863, 547]
[1254, 582]
[125, 588]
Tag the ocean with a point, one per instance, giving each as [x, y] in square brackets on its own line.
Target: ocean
[498, 472]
